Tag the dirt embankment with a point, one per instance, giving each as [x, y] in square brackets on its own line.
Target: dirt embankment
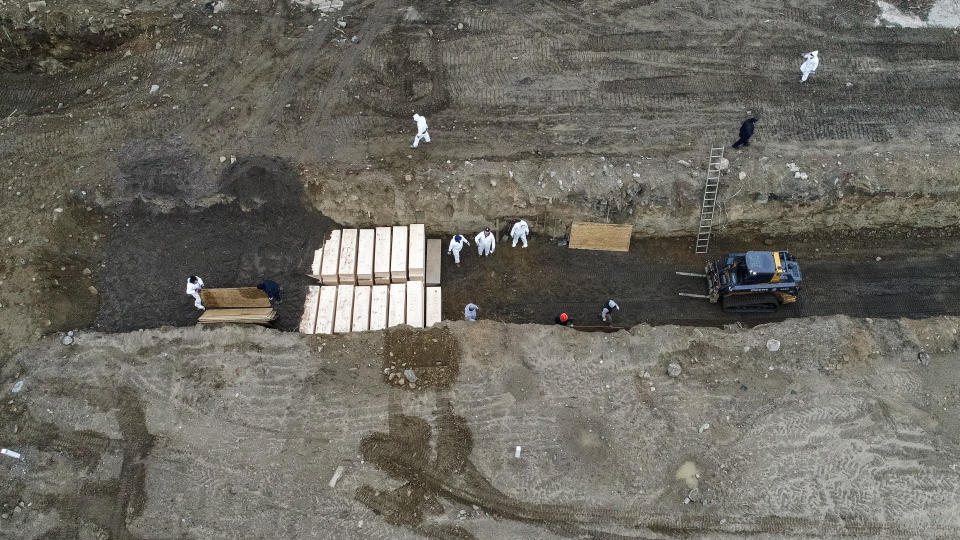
[813, 427]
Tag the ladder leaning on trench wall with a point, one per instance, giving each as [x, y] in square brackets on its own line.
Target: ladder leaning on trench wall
[709, 200]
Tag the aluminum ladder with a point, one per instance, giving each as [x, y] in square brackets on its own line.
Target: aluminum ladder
[709, 200]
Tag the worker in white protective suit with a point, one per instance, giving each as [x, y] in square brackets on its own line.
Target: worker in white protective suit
[519, 232]
[809, 66]
[194, 284]
[421, 131]
[486, 242]
[470, 312]
[456, 245]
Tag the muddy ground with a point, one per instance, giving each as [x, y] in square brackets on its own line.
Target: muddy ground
[570, 111]
[211, 433]
[145, 142]
[914, 277]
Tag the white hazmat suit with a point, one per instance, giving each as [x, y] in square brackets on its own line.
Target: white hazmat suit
[486, 243]
[470, 312]
[456, 245]
[193, 289]
[421, 131]
[519, 232]
[809, 66]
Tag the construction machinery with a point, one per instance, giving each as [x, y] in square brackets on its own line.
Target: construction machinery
[755, 281]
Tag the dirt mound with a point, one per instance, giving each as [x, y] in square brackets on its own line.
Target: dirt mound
[433, 355]
[263, 180]
[150, 254]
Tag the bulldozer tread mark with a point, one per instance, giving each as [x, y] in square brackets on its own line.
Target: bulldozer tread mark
[750, 303]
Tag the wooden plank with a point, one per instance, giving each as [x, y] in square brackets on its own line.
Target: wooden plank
[434, 255]
[365, 247]
[331, 259]
[326, 309]
[238, 297]
[347, 271]
[398, 254]
[308, 321]
[600, 236]
[415, 304]
[379, 306]
[398, 304]
[381, 256]
[238, 316]
[317, 262]
[417, 252]
[434, 306]
[344, 316]
[361, 309]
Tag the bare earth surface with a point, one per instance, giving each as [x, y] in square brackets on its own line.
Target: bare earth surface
[144, 142]
[214, 433]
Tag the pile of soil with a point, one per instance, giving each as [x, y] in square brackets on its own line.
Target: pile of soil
[266, 232]
[433, 355]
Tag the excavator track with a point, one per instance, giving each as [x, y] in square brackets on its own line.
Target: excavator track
[750, 303]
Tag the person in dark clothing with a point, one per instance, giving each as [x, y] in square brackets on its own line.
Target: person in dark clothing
[746, 131]
[272, 288]
[563, 320]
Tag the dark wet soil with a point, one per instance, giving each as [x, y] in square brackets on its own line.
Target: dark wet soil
[913, 278]
[266, 231]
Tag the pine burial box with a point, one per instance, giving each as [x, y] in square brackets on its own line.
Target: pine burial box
[316, 264]
[415, 304]
[365, 247]
[417, 253]
[308, 322]
[379, 306]
[381, 256]
[331, 259]
[398, 255]
[347, 271]
[434, 306]
[361, 308]
[326, 309]
[398, 304]
[238, 297]
[434, 253]
[344, 316]
[238, 316]
[600, 236]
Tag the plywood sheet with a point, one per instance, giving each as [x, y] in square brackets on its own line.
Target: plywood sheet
[434, 254]
[249, 297]
[398, 254]
[381, 256]
[331, 259]
[308, 321]
[379, 306]
[415, 304]
[361, 309]
[326, 309]
[417, 252]
[600, 236]
[238, 316]
[344, 316]
[434, 306]
[365, 248]
[398, 304]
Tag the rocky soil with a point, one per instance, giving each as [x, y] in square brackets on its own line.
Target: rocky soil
[810, 427]
[143, 142]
